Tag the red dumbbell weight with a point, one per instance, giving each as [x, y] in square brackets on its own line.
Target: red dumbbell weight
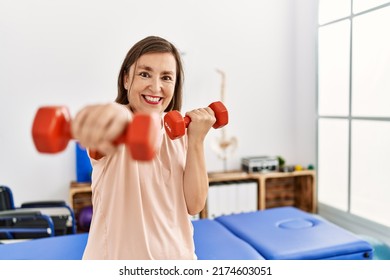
[51, 132]
[175, 125]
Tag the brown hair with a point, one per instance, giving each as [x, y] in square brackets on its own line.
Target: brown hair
[152, 44]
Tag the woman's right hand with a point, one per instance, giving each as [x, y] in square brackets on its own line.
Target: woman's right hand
[97, 126]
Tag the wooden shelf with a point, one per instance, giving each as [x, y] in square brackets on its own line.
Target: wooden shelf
[80, 196]
[275, 189]
[227, 176]
[288, 189]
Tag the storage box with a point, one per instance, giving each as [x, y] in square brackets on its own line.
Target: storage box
[260, 164]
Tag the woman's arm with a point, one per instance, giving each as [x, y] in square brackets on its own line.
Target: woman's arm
[196, 182]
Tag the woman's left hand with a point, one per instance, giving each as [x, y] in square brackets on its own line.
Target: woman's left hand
[201, 121]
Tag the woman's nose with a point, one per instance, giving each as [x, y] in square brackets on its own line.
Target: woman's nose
[155, 85]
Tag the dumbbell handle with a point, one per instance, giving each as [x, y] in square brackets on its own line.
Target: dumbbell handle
[60, 132]
[214, 106]
[65, 133]
[187, 121]
[175, 124]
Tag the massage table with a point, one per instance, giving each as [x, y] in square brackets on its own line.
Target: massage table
[287, 233]
[212, 242]
[277, 233]
[64, 247]
[215, 242]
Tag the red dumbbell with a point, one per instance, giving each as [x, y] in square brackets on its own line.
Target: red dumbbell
[175, 124]
[51, 132]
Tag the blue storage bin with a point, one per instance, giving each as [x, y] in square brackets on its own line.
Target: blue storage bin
[83, 165]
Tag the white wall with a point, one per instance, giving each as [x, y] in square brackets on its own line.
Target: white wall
[69, 53]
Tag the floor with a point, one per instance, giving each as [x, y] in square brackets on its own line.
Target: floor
[381, 249]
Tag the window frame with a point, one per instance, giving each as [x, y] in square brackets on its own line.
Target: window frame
[347, 219]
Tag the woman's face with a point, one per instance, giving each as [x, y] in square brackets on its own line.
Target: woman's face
[151, 82]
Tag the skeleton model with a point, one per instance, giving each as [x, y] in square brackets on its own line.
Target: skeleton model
[223, 146]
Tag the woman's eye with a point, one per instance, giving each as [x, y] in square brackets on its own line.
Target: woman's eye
[167, 78]
[144, 74]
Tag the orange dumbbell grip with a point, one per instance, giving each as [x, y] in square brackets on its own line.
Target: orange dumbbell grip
[51, 132]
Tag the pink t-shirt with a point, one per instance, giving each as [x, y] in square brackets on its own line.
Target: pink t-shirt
[139, 210]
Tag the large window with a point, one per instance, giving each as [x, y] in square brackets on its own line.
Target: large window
[354, 108]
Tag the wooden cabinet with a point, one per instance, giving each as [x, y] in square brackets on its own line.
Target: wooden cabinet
[80, 195]
[288, 189]
[275, 188]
